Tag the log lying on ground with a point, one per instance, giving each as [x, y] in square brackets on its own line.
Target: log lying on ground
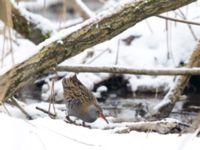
[94, 31]
[164, 108]
[162, 127]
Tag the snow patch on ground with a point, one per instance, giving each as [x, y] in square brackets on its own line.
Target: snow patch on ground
[49, 134]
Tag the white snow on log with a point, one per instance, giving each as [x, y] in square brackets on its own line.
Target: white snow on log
[42, 23]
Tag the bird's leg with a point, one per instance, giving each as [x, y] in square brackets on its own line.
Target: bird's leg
[87, 126]
[68, 120]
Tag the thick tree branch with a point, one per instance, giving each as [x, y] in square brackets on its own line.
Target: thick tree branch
[29, 28]
[162, 127]
[125, 70]
[164, 108]
[93, 31]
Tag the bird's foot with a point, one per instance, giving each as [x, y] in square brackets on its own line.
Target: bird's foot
[85, 125]
[68, 120]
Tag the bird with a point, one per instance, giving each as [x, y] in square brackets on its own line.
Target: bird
[80, 102]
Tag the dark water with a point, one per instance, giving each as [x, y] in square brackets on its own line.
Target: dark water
[135, 109]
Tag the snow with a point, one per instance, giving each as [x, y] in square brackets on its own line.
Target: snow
[37, 4]
[20, 48]
[49, 134]
[40, 21]
[147, 51]
[85, 8]
[47, 88]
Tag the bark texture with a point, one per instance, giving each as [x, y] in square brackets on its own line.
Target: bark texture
[28, 29]
[96, 31]
[125, 70]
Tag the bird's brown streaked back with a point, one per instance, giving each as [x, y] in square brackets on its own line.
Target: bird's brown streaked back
[75, 90]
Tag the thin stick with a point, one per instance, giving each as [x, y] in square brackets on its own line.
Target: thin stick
[117, 54]
[4, 43]
[100, 54]
[7, 111]
[52, 96]
[45, 111]
[189, 26]
[126, 70]
[83, 9]
[14, 100]
[11, 47]
[179, 20]
[63, 14]
[149, 26]
[169, 42]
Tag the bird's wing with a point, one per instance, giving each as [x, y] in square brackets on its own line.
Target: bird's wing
[75, 90]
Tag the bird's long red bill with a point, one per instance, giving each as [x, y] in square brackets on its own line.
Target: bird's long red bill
[103, 117]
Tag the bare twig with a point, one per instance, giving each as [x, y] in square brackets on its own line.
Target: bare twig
[97, 56]
[52, 96]
[189, 26]
[83, 10]
[149, 26]
[46, 112]
[169, 42]
[179, 20]
[3, 48]
[126, 70]
[117, 53]
[7, 111]
[62, 15]
[14, 100]
[11, 45]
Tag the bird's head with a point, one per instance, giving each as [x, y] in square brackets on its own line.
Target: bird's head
[94, 112]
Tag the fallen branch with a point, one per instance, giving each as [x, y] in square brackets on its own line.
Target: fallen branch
[46, 112]
[125, 70]
[15, 103]
[164, 108]
[162, 127]
[92, 32]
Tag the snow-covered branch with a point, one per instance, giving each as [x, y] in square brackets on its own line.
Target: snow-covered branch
[84, 11]
[162, 127]
[32, 26]
[94, 31]
[164, 108]
[125, 70]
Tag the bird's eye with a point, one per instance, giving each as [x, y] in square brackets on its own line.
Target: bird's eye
[98, 112]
